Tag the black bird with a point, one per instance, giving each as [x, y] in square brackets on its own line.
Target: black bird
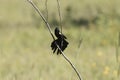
[60, 41]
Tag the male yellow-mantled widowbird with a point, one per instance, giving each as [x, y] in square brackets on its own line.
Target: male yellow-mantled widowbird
[60, 41]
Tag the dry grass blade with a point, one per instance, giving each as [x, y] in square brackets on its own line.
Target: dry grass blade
[118, 70]
[117, 48]
[46, 1]
[118, 44]
[60, 16]
[80, 42]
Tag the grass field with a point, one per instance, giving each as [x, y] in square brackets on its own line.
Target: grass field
[25, 52]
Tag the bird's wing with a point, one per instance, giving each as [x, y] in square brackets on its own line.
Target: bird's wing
[63, 36]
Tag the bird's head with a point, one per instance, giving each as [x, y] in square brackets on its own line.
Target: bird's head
[58, 34]
[57, 30]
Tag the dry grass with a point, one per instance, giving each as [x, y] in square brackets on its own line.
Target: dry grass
[25, 52]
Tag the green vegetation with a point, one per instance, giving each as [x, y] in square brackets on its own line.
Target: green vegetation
[25, 52]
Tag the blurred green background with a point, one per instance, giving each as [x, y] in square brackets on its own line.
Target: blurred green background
[25, 52]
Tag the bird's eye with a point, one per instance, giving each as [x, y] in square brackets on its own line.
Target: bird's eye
[60, 33]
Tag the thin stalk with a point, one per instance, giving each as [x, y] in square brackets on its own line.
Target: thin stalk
[60, 16]
[46, 6]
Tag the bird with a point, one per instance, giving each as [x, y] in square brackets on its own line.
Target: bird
[60, 41]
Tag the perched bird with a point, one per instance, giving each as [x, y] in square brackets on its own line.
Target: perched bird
[60, 41]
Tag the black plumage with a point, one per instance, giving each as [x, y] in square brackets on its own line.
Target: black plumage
[60, 41]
